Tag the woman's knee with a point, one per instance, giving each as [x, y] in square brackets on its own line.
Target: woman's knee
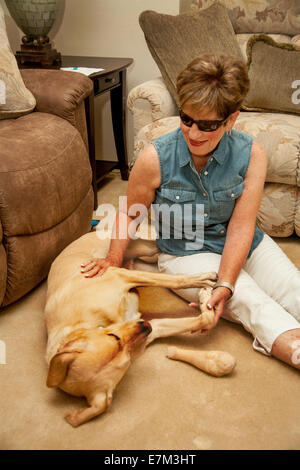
[286, 347]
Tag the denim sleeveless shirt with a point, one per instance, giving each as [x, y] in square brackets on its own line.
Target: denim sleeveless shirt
[192, 211]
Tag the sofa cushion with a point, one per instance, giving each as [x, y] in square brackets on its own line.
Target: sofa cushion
[151, 132]
[274, 72]
[297, 215]
[243, 39]
[18, 100]
[277, 211]
[44, 172]
[256, 16]
[174, 41]
[279, 134]
[296, 40]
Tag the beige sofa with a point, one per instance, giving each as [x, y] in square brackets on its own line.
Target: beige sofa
[155, 113]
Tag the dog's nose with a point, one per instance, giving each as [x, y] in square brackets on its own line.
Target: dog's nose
[145, 327]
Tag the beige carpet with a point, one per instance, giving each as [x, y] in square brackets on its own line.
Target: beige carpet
[160, 404]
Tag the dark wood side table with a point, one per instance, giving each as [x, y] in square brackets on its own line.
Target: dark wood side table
[112, 79]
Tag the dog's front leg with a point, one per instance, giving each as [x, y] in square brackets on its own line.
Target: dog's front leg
[98, 405]
[164, 327]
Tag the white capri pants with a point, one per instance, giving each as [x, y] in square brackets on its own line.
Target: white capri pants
[266, 300]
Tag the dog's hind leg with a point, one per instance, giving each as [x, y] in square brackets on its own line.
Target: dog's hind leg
[164, 327]
[172, 281]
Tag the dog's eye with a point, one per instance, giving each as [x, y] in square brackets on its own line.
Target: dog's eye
[115, 336]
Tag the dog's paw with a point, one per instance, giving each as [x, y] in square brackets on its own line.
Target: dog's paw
[171, 352]
[198, 332]
[72, 418]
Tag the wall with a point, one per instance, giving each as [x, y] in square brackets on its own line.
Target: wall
[104, 28]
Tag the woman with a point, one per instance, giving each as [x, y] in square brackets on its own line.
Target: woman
[205, 164]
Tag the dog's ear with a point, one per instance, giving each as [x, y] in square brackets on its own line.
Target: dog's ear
[58, 367]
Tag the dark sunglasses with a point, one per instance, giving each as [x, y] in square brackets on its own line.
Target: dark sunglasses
[205, 126]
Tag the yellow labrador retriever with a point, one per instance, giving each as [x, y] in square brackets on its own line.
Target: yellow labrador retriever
[94, 326]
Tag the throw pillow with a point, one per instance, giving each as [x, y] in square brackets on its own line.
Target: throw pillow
[256, 16]
[274, 72]
[174, 41]
[15, 98]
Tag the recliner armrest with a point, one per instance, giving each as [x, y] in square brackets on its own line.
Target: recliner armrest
[57, 92]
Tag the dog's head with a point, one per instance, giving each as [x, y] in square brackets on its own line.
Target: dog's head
[92, 362]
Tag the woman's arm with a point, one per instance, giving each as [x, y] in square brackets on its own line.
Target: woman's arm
[241, 227]
[143, 181]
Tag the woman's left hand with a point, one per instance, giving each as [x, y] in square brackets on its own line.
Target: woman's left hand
[216, 302]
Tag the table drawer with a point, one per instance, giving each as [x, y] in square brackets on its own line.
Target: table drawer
[106, 82]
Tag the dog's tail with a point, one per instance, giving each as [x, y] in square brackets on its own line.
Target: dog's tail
[128, 264]
[143, 250]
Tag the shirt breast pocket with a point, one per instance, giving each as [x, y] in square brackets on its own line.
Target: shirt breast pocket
[179, 196]
[225, 201]
[180, 217]
[175, 212]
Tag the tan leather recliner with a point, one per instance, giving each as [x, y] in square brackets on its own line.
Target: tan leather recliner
[46, 197]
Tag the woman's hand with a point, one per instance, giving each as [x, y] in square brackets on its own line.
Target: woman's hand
[216, 302]
[98, 266]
